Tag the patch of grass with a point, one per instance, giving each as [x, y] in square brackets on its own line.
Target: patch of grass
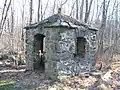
[3, 83]
[116, 63]
[6, 85]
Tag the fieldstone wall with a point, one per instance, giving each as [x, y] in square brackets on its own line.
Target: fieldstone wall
[31, 54]
[51, 48]
[70, 64]
[60, 50]
[29, 50]
[60, 44]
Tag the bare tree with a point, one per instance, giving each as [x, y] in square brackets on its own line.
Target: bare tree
[22, 36]
[54, 7]
[113, 8]
[116, 31]
[98, 12]
[12, 29]
[63, 3]
[4, 19]
[77, 9]
[97, 8]
[92, 15]
[87, 10]
[45, 9]
[72, 8]
[100, 47]
[41, 13]
[103, 26]
[81, 10]
[31, 9]
[3, 11]
[38, 13]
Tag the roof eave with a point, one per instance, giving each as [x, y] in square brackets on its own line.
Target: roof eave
[63, 26]
[93, 29]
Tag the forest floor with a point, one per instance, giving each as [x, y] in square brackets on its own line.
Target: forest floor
[13, 79]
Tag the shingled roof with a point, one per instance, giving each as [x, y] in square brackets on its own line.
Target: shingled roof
[62, 20]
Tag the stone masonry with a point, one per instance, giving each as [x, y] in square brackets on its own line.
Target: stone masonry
[59, 46]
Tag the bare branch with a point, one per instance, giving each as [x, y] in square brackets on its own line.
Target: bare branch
[3, 13]
[72, 8]
[45, 9]
[113, 9]
[98, 14]
[5, 17]
[107, 6]
[63, 3]
[54, 6]
[81, 10]
[88, 10]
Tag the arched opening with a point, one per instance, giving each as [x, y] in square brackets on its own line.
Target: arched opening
[38, 51]
[81, 41]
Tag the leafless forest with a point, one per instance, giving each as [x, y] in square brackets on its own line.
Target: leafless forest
[104, 15]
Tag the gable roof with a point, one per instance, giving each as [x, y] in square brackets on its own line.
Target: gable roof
[59, 20]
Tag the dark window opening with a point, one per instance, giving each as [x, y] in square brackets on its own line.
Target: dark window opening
[80, 44]
[38, 51]
[39, 38]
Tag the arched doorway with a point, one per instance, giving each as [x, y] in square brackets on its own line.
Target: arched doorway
[81, 43]
[38, 51]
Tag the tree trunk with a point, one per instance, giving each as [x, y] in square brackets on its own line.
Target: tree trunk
[31, 8]
[45, 9]
[72, 8]
[41, 11]
[116, 31]
[12, 29]
[3, 13]
[22, 36]
[76, 9]
[54, 6]
[103, 25]
[88, 10]
[38, 18]
[4, 19]
[81, 10]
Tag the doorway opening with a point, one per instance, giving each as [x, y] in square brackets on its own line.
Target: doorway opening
[38, 51]
[81, 41]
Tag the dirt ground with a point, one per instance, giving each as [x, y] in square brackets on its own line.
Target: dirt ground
[37, 80]
[25, 80]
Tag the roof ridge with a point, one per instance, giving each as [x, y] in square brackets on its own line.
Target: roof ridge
[62, 18]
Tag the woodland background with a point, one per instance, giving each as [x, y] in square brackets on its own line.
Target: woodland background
[101, 14]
